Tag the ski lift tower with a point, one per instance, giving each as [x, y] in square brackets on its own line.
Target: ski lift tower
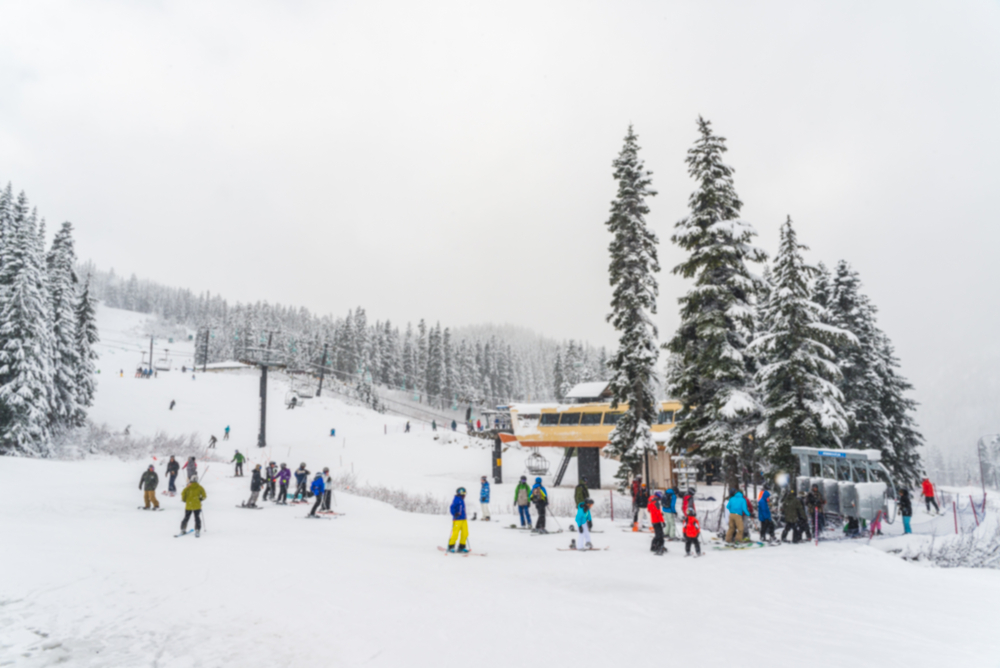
[263, 358]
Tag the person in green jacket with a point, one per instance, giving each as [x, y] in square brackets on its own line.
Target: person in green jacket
[148, 483]
[522, 497]
[239, 459]
[192, 496]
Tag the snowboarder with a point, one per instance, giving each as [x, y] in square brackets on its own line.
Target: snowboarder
[318, 488]
[583, 520]
[792, 513]
[255, 484]
[484, 498]
[764, 515]
[668, 504]
[173, 468]
[327, 490]
[540, 497]
[225, 436]
[212, 441]
[192, 496]
[656, 517]
[927, 489]
[270, 474]
[191, 466]
[522, 496]
[301, 480]
[459, 524]
[691, 532]
[148, 483]
[905, 509]
[284, 477]
[239, 459]
[737, 507]
[172, 404]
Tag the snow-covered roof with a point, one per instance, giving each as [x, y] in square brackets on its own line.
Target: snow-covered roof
[530, 409]
[588, 390]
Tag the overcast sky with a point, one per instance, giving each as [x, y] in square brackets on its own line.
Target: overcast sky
[452, 161]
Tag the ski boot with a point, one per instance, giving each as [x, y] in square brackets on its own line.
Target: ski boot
[590, 546]
[451, 548]
[572, 544]
[197, 533]
[462, 549]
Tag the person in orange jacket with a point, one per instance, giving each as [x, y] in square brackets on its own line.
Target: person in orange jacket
[928, 491]
[692, 529]
[656, 517]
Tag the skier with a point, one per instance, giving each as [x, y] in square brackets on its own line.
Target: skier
[636, 486]
[192, 468]
[656, 517]
[434, 425]
[737, 507]
[905, 509]
[407, 426]
[212, 441]
[327, 491]
[459, 525]
[454, 426]
[173, 468]
[284, 477]
[484, 498]
[301, 480]
[815, 503]
[540, 497]
[764, 515]
[927, 489]
[641, 502]
[225, 436]
[192, 496]
[688, 502]
[668, 504]
[172, 404]
[255, 483]
[691, 532]
[522, 496]
[581, 494]
[792, 512]
[270, 474]
[583, 520]
[147, 483]
[318, 488]
[239, 459]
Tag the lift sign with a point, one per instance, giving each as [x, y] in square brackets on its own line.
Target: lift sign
[826, 453]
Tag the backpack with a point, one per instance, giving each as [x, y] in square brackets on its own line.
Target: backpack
[538, 495]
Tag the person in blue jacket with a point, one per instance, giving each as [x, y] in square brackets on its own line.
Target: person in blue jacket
[459, 524]
[583, 520]
[668, 505]
[539, 497]
[764, 515]
[484, 498]
[737, 507]
[318, 488]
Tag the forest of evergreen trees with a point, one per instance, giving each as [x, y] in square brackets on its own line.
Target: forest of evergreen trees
[47, 332]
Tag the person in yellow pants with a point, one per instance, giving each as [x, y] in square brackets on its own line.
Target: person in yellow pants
[459, 523]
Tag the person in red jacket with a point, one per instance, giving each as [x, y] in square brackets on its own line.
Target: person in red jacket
[929, 496]
[656, 517]
[691, 532]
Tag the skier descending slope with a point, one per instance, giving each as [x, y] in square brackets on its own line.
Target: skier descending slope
[148, 483]
[583, 520]
[656, 517]
[192, 496]
[318, 488]
[238, 459]
[459, 523]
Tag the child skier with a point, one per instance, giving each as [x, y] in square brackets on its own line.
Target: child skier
[522, 497]
[318, 488]
[484, 498]
[459, 524]
[173, 468]
[148, 483]
[656, 517]
[691, 532]
[284, 477]
[583, 520]
[239, 459]
[192, 496]
[255, 483]
[905, 509]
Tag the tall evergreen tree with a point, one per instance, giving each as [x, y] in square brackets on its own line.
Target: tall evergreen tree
[62, 295]
[798, 381]
[86, 339]
[633, 269]
[711, 373]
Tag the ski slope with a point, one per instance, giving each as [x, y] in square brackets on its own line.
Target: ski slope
[90, 580]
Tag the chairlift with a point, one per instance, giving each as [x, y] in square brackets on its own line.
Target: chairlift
[536, 464]
[162, 364]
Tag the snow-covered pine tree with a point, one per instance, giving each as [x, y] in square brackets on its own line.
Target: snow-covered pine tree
[409, 358]
[632, 271]
[62, 285]
[421, 354]
[86, 338]
[710, 372]
[558, 376]
[798, 382]
[25, 340]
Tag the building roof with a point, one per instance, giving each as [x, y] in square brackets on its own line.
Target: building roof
[588, 390]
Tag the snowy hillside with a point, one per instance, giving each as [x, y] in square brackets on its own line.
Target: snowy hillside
[90, 580]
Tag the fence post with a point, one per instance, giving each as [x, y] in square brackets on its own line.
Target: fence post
[974, 513]
[954, 509]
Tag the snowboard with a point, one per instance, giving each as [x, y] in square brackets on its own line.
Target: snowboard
[249, 507]
[585, 549]
[462, 554]
[745, 546]
[517, 528]
[144, 508]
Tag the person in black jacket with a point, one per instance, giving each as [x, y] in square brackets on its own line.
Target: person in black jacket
[148, 483]
[173, 468]
[255, 484]
[905, 509]
[270, 475]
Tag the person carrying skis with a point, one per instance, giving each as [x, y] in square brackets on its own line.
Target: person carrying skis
[484, 498]
[459, 524]
[284, 477]
[927, 489]
[191, 466]
[255, 483]
[225, 436]
[737, 507]
[327, 490]
[239, 459]
[192, 496]
[583, 520]
[147, 483]
[301, 481]
[318, 488]
[270, 474]
[656, 517]
[905, 509]
[173, 468]
[522, 497]
[764, 515]
[540, 497]
[691, 532]
[212, 441]
[668, 503]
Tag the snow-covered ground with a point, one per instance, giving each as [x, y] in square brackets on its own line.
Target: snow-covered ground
[89, 580]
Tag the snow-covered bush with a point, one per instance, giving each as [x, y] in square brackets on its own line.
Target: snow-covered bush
[100, 440]
[979, 549]
[397, 498]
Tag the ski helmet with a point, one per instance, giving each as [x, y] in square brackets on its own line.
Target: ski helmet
[658, 494]
[302, 465]
[150, 467]
[326, 469]
[283, 465]
[194, 478]
[460, 491]
[588, 502]
[691, 512]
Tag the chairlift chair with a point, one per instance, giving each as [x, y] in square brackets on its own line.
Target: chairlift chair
[536, 464]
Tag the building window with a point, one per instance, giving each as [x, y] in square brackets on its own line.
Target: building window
[612, 418]
[570, 419]
[550, 418]
[591, 419]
